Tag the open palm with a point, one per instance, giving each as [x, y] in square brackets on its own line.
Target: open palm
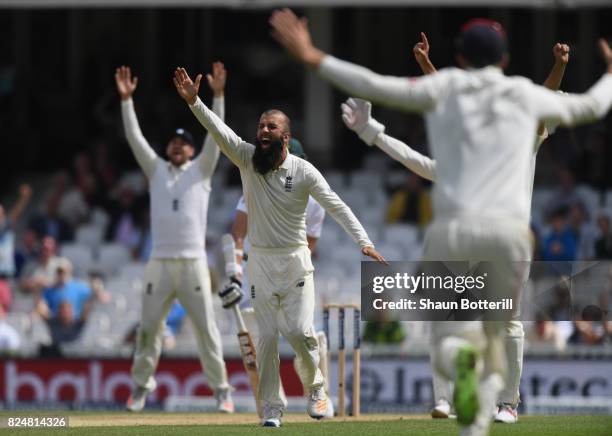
[217, 79]
[126, 85]
[187, 88]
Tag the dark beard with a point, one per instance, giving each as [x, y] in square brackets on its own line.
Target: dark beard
[265, 160]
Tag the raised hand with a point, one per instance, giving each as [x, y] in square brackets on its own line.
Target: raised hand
[293, 34]
[217, 79]
[126, 85]
[357, 115]
[421, 49]
[187, 88]
[561, 53]
[371, 252]
[606, 52]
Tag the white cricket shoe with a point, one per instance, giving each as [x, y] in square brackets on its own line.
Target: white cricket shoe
[272, 422]
[272, 417]
[224, 401]
[318, 403]
[442, 410]
[137, 399]
[506, 414]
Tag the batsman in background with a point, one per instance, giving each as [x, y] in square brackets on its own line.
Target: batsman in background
[276, 188]
[315, 215]
[180, 190]
[481, 125]
[357, 117]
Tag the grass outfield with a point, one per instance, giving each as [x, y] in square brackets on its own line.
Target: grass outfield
[126, 424]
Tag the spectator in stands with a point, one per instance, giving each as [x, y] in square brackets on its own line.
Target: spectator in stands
[545, 332]
[385, 331]
[561, 311]
[603, 245]
[7, 243]
[27, 251]
[142, 244]
[9, 337]
[103, 163]
[560, 244]
[39, 273]
[49, 223]
[73, 207]
[411, 204]
[583, 232]
[124, 225]
[591, 328]
[566, 196]
[66, 304]
[174, 323]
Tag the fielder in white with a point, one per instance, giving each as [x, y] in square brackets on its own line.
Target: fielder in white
[356, 116]
[276, 188]
[315, 216]
[481, 125]
[180, 190]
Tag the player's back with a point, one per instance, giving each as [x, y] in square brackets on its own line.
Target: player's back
[481, 132]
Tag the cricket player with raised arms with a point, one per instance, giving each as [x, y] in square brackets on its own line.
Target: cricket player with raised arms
[356, 114]
[276, 188]
[179, 190]
[481, 126]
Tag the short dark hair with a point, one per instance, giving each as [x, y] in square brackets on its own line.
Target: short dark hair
[482, 42]
[278, 112]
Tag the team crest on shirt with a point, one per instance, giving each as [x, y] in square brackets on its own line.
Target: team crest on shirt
[288, 183]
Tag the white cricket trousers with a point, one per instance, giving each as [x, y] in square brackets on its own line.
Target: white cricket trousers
[282, 295]
[514, 344]
[475, 239]
[188, 280]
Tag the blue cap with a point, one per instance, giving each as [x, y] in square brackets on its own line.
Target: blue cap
[185, 135]
[482, 42]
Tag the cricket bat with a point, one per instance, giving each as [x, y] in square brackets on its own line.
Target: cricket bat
[247, 349]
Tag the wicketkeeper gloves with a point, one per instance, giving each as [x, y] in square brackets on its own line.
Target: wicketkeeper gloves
[357, 115]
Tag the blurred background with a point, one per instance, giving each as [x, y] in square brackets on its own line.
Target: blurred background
[71, 188]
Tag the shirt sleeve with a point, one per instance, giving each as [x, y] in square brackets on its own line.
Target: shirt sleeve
[414, 95]
[572, 109]
[241, 206]
[209, 157]
[540, 139]
[410, 158]
[145, 155]
[315, 215]
[238, 151]
[320, 191]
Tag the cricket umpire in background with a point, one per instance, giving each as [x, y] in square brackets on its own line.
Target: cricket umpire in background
[179, 190]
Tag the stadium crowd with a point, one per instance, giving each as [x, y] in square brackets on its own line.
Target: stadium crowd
[62, 239]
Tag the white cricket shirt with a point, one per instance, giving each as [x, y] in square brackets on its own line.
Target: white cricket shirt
[179, 195]
[480, 125]
[315, 215]
[426, 167]
[276, 202]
